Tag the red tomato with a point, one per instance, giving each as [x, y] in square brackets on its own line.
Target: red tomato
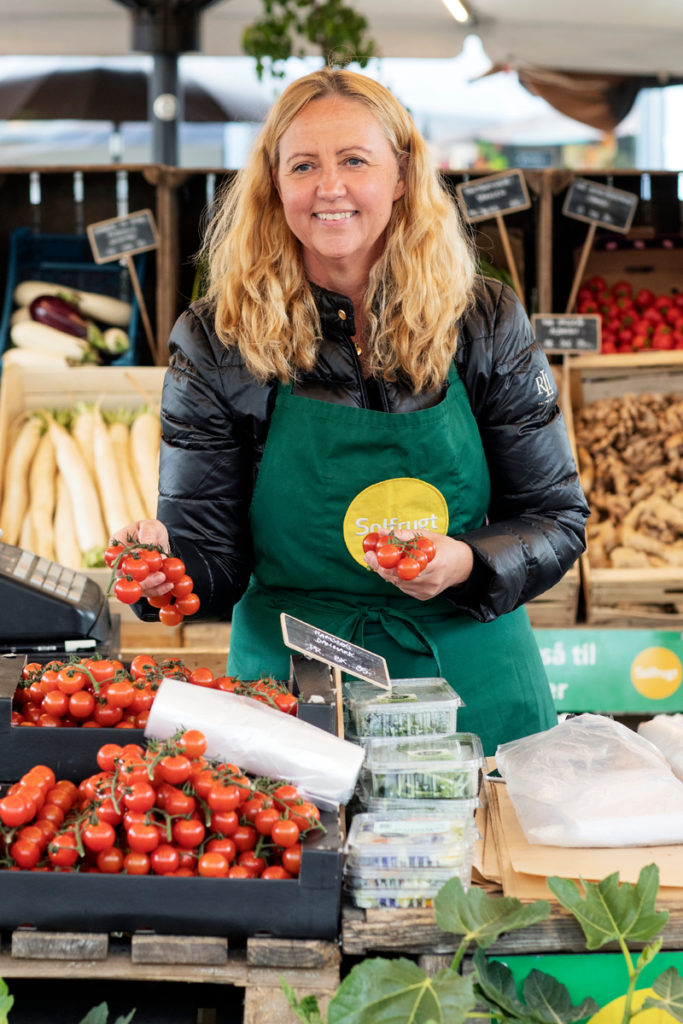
[285, 832]
[427, 545]
[213, 865]
[183, 586]
[192, 743]
[388, 555]
[128, 591]
[175, 769]
[25, 853]
[62, 850]
[173, 568]
[244, 837]
[120, 694]
[98, 835]
[370, 541]
[170, 615]
[188, 605]
[139, 796]
[202, 677]
[110, 860]
[165, 859]
[153, 558]
[161, 600]
[135, 566]
[254, 864]
[291, 858]
[81, 704]
[71, 680]
[275, 871]
[408, 568]
[136, 863]
[112, 553]
[265, 819]
[188, 832]
[14, 809]
[142, 837]
[143, 665]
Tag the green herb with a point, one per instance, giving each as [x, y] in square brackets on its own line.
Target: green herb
[6, 1002]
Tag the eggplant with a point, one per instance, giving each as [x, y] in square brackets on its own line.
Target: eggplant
[56, 312]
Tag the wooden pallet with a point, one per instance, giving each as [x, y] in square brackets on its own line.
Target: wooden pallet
[310, 966]
[198, 644]
[416, 932]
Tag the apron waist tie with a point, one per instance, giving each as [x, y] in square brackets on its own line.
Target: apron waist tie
[402, 628]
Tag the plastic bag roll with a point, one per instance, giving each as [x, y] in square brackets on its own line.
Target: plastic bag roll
[260, 739]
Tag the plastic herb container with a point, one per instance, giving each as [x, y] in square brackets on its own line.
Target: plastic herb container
[377, 842]
[413, 707]
[426, 768]
[428, 808]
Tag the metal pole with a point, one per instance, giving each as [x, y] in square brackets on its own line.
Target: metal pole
[165, 108]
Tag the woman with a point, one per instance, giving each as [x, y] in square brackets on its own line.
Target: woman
[348, 371]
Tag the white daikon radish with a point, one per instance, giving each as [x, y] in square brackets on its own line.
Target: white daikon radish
[100, 307]
[109, 483]
[15, 490]
[67, 550]
[42, 497]
[31, 334]
[90, 529]
[23, 313]
[82, 427]
[119, 437]
[26, 535]
[145, 439]
[33, 357]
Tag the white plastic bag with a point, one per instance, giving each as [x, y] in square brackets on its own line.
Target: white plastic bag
[260, 740]
[666, 732]
[591, 781]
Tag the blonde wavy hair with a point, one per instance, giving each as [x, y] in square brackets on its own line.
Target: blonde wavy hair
[418, 289]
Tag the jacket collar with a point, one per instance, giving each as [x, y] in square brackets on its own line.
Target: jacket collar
[335, 311]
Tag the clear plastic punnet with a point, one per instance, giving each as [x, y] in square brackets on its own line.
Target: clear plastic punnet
[424, 768]
[382, 843]
[413, 707]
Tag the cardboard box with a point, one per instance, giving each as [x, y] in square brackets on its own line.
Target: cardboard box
[640, 596]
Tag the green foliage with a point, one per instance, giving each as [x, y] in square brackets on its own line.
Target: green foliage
[611, 912]
[397, 991]
[334, 28]
[6, 1002]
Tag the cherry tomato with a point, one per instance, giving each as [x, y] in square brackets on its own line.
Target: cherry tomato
[188, 605]
[62, 850]
[139, 796]
[275, 871]
[285, 832]
[222, 845]
[120, 694]
[188, 832]
[143, 665]
[14, 810]
[265, 819]
[291, 858]
[55, 703]
[225, 823]
[244, 837]
[169, 615]
[165, 859]
[136, 863]
[175, 769]
[192, 743]
[179, 803]
[153, 558]
[427, 545]
[287, 702]
[98, 836]
[213, 865]
[183, 586]
[112, 553]
[25, 853]
[370, 541]
[388, 556]
[135, 566]
[71, 680]
[128, 591]
[408, 568]
[110, 860]
[101, 669]
[160, 600]
[253, 863]
[81, 704]
[173, 568]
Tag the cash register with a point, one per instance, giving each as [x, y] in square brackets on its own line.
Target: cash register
[46, 607]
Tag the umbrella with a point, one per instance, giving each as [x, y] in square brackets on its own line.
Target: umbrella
[117, 93]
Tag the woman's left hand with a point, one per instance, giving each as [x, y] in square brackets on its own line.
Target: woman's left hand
[451, 565]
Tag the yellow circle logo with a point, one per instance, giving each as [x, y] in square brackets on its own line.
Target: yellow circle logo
[402, 503]
[613, 1013]
[656, 672]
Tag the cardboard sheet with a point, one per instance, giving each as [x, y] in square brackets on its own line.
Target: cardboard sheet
[524, 866]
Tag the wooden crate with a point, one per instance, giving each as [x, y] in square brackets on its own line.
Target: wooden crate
[310, 966]
[643, 597]
[198, 644]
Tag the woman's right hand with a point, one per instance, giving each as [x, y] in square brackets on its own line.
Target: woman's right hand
[147, 531]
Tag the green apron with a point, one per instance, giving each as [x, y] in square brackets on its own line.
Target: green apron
[321, 462]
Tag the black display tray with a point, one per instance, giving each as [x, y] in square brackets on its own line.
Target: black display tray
[303, 908]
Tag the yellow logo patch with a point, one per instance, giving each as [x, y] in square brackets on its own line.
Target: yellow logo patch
[402, 503]
[656, 672]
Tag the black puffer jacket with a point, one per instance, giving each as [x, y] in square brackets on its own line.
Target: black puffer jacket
[215, 420]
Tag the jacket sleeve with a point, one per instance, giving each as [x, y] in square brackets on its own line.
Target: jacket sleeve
[206, 466]
[535, 528]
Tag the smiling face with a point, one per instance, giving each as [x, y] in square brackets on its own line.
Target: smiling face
[338, 178]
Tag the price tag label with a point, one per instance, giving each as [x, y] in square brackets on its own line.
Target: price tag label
[334, 651]
[563, 332]
[123, 236]
[596, 203]
[493, 195]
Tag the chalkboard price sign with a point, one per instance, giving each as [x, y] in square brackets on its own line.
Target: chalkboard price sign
[561, 332]
[123, 236]
[493, 195]
[331, 649]
[596, 203]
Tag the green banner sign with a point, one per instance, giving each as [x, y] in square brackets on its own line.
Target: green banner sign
[612, 670]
